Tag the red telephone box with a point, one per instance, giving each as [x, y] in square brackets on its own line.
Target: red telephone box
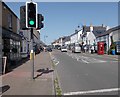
[100, 46]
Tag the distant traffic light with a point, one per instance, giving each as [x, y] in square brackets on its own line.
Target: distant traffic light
[31, 15]
[40, 19]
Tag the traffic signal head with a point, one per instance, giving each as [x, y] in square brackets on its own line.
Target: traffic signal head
[40, 19]
[31, 15]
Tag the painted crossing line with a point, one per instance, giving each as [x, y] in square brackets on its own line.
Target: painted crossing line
[93, 91]
[85, 59]
[93, 60]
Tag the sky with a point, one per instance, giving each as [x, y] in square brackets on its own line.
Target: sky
[62, 18]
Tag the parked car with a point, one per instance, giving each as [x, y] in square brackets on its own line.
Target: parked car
[76, 48]
[63, 49]
[49, 49]
[59, 48]
[45, 49]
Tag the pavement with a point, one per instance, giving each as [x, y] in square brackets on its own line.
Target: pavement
[20, 82]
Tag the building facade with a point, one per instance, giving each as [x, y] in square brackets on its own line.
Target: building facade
[26, 42]
[10, 37]
[108, 36]
[90, 34]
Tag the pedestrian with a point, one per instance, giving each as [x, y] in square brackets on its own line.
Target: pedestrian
[92, 49]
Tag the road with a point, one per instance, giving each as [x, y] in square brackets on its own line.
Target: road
[86, 74]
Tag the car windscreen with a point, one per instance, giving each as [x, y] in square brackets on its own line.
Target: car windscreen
[77, 45]
[63, 47]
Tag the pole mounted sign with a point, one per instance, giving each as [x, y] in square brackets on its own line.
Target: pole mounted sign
[31, 15]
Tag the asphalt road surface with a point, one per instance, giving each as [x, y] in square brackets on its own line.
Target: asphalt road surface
[86, 74]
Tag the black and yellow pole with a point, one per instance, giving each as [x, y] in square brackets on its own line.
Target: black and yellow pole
[32, 55]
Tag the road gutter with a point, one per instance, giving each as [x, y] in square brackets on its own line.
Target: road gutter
[56, 86]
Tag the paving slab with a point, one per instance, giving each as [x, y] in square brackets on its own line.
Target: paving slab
[19, 81]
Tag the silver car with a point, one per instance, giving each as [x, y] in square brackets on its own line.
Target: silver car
[76, 48]
[63, 49]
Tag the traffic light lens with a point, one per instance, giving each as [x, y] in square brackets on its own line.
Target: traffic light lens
[31, 22]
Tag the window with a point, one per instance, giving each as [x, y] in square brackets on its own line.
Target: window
[10, 21]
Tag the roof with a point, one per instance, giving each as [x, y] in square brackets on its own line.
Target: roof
[86, 28]
[9, 9]
[76, 31]
[109, 31]
[67, 39]
[98, 30]
[73, 34]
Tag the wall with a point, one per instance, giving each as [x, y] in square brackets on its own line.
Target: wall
[74, 38]
[0, 14]
[116, 35]
[1, 46]
[91, 37]
[18, 26]
[36, 36]
[5, 14]
[79, 36]
[24, 42]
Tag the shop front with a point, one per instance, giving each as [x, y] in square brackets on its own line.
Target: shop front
[11, 46]
[117, 49]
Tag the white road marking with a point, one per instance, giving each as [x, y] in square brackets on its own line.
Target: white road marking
[97, 60]
[77, 59]
[93, 91]
[57, 63]
[108, 57]
[87, 59]
[84, 61]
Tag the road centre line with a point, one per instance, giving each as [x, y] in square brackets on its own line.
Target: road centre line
[93, 91]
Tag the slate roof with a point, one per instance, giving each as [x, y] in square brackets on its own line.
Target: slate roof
[67, 39]
[73, 34]
[97, 30]
[109, 31]
[76, 31]
[86, 28]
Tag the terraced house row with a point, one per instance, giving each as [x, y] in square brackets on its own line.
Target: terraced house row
[89, 36]
[14, 42]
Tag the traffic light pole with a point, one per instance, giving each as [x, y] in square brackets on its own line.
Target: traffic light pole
[32, 55]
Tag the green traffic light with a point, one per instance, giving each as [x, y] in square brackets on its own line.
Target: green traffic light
[31, 22]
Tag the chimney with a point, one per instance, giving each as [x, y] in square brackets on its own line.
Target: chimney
[91, 28]
[102, 25]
